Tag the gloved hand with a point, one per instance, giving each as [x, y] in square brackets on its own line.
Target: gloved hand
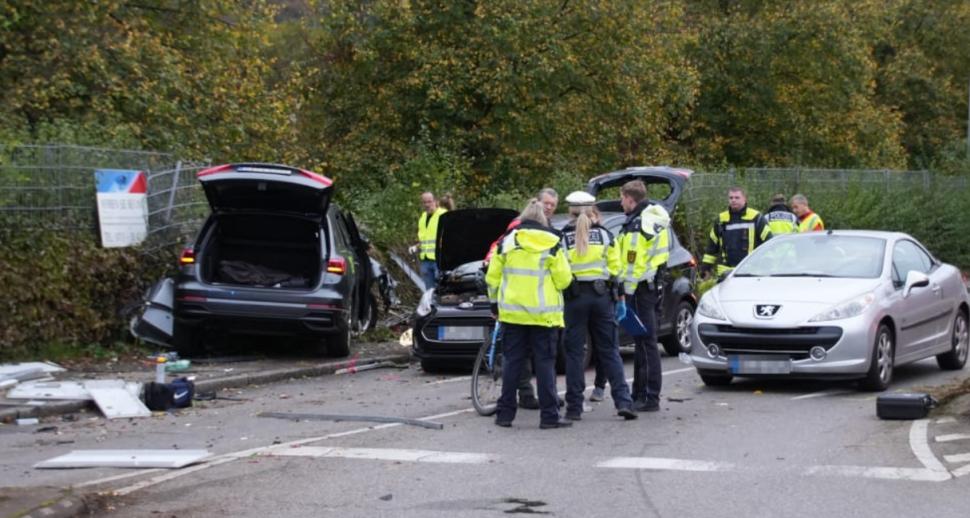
[413, 249]
[493, 307]
[619, 311]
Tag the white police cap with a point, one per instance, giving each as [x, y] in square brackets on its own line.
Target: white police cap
[580, 199]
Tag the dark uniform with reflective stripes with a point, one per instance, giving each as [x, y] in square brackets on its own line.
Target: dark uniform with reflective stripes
[589, 314]
[733, 236]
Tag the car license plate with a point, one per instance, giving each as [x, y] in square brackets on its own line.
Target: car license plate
[759, 365]
[461, 333]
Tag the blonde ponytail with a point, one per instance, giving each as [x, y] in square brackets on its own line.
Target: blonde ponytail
[533, 212]
[582, 233]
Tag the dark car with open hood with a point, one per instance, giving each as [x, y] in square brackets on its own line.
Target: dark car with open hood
[450, 321]
[274, 257]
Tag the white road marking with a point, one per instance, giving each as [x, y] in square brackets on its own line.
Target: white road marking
[961, 472]
[919, 443]
[946, 420]
[952, 437]
[399, 455]
[821, 393]
[448, 380]
[661, 464]
[957, 459]
[229, 457]
[99, 481]
[912, 474]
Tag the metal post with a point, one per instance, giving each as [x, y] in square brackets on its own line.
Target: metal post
[171, 194]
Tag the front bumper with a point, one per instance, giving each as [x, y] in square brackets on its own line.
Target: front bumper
[848, 346]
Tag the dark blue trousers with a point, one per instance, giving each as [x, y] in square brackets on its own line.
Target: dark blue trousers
[589, 314]
[517, 341]
[647, 374]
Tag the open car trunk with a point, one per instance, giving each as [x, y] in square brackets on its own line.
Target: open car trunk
[261, 250]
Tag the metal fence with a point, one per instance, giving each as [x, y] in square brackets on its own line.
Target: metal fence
[51, 187]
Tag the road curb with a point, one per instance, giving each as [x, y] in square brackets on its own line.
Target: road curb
[209, 385]
[66, 507]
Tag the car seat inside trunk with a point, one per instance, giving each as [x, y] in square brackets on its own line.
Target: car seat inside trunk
[263, 251]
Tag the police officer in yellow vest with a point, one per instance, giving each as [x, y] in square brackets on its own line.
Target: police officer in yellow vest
[427, 233]
[781, 219]
[808, 221]
[735, 233]
[525, 280]
[594, 257]
[644, 249]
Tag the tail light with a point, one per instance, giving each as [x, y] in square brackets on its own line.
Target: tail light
[188, 256]
[337, 265]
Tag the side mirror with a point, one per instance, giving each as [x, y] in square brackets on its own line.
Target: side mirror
[915, 279]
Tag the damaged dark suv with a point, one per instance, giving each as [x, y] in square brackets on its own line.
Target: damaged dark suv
[275, 257]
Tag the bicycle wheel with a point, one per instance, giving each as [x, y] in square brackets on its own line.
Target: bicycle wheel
[487, 377]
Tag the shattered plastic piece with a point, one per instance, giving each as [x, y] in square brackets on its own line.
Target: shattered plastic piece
[27, 421]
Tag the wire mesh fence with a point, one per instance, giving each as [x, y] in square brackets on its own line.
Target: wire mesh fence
[52, 187]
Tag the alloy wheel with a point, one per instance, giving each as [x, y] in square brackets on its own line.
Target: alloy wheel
[684, 319]
[961, 338]
[884, 357]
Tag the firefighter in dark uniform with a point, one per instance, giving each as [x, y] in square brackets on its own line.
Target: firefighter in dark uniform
[781, 219]
[644, 250]
[594, 258]
[735, 233]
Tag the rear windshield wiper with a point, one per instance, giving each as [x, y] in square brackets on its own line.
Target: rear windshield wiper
[810, 274]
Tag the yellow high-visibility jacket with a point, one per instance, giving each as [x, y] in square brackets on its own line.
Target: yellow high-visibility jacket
[427, 232]
[642, 254]
[526, 277]
[811, 223]
[602, 258]
[781, 220]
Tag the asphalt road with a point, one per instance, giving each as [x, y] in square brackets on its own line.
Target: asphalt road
[751, 449]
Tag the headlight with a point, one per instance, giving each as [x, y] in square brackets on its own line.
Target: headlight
[708, 308]
[848, 309]
[424, 305]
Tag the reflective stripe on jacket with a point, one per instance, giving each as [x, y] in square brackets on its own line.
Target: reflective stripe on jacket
[811, 222]
[427, 233]
[781, 220]
[733, 236]
[602, 258]
[641, 254]
[526, 277]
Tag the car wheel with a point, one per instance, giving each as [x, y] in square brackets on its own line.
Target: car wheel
[956, 357]
[678, 341]
[880, 373]
[338, 345]
[372, 314]
[187, 340]
[715, 378]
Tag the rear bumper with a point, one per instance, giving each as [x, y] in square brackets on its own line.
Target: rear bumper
[430, 343]
[261, 317]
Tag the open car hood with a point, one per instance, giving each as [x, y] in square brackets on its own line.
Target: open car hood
[675, 178]
[464, 235]
[266, 187]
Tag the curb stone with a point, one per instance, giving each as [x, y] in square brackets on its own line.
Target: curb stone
[67, 507]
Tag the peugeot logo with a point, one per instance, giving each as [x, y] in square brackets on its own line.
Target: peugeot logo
[766, 310]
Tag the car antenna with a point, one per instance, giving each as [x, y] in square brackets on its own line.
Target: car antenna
[828, 232]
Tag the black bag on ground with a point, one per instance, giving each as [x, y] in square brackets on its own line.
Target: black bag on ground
[160, 397]
[904, 406]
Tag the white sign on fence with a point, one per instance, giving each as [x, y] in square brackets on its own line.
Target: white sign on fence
[122, 206]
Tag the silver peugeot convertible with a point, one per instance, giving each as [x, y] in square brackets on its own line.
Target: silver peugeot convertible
[837, 305]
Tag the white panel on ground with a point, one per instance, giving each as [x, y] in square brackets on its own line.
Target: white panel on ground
[49, 390]
[46, 367]
[115, 401]
[125, 459]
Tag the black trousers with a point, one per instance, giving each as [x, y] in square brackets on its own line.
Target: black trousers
[647, 374]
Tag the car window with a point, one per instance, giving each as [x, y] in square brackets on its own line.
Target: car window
[817, 255]
[907, 257]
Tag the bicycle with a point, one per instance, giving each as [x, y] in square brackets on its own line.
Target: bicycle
[487, 374]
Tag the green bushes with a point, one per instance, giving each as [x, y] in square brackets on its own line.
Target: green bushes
[61, 289]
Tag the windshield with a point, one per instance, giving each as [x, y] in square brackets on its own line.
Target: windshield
[818, 255]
